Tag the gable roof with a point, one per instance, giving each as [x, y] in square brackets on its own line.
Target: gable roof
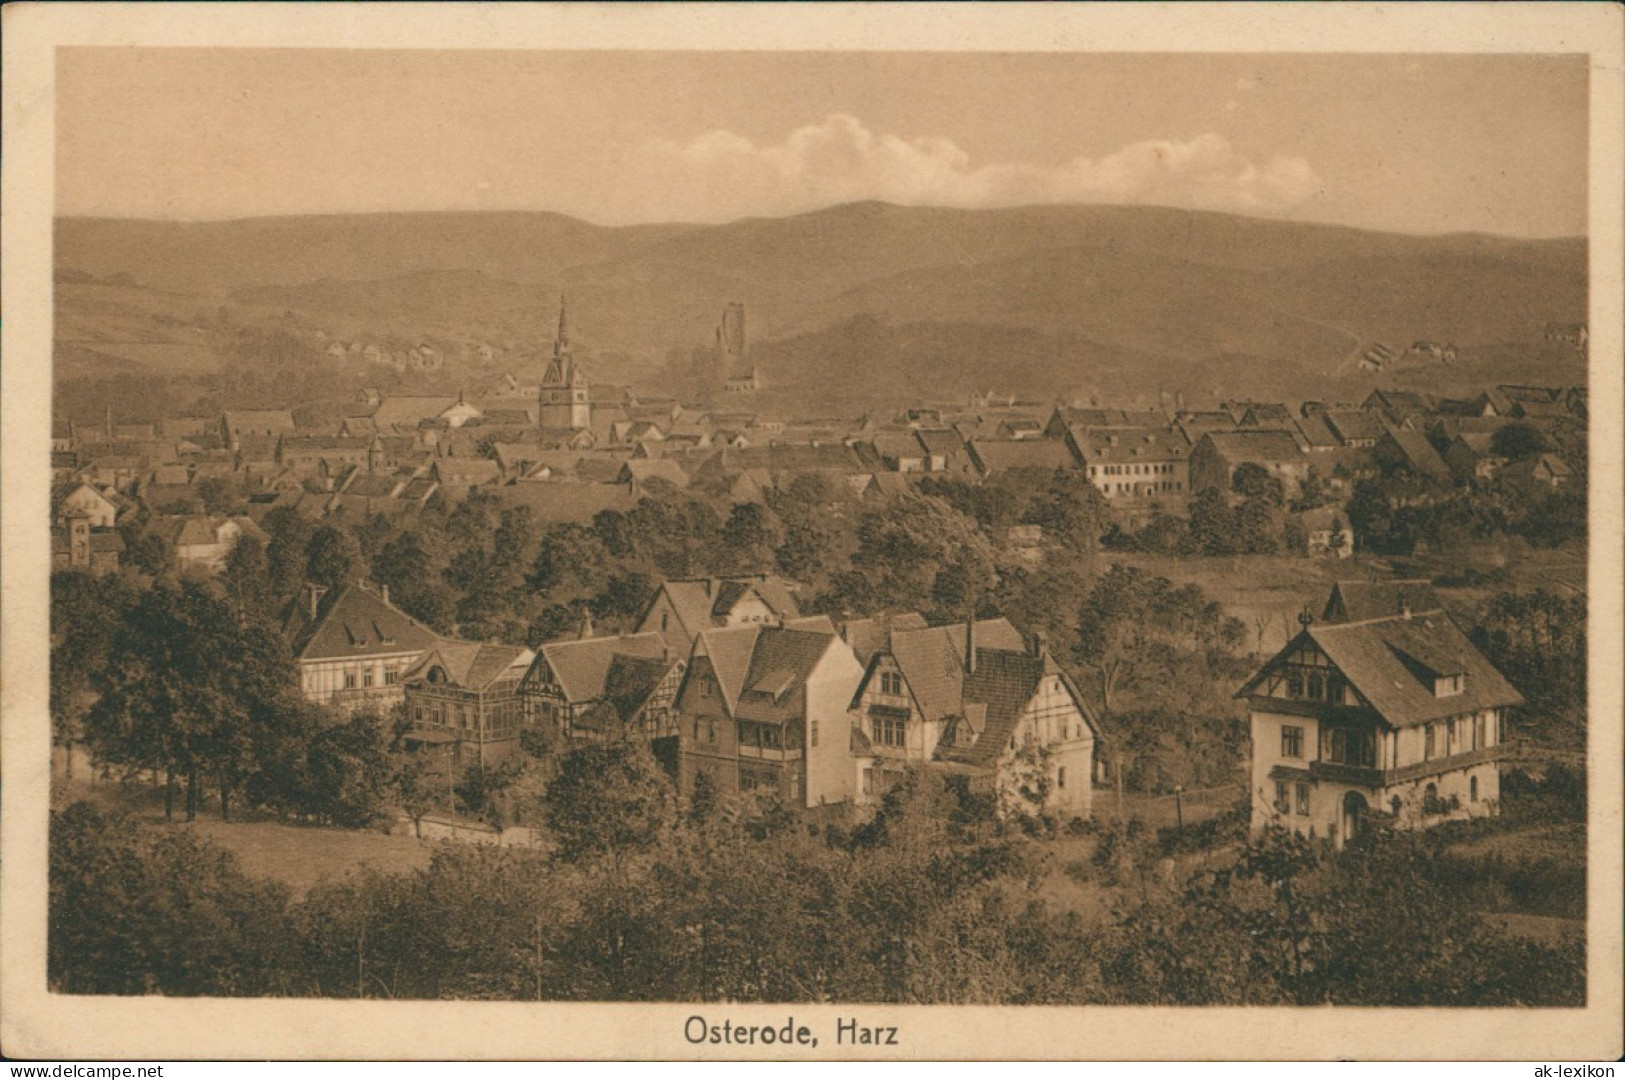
[1130, 444]
[354, 622]
[1415, 451]
[1390, 663]
[932, 660]
[1261, 447]
[1350, 424]
[700, 602]
[582, 668]
[1357, 601]
[472, 665]
[1001, 455]
[780, 662]
[729, 650]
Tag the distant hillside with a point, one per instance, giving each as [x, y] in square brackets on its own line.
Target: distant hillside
[1022, 300]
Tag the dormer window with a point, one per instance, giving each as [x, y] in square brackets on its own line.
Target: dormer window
[1449, 685]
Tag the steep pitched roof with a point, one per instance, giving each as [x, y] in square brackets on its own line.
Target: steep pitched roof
[582, 667]
[865, 637]
[700, 602]
[729, 649]
[1352, 424]
[1357, 601]
[780, 663]
[1415, 451]
[1130, 444]
[472, 665]
[1381, 658]
[354, 622]
[932, 660]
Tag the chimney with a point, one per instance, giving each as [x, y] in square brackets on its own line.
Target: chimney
[313, 595]
[1404, 606]
[586, 624]
[970, 644]
[1038, 644]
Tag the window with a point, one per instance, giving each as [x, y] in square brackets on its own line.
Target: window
[349, 680]
[1292, 742]
[1472, 789]
[813, 733]
[665, 619]
[887, 730]
[1301, 794]
[1281, 804]
[770, 736]
[391, 676]
[1478, 732]
[891, 682]
[366, 677]
[1060, 777]
[1427, 742]
[868, 781]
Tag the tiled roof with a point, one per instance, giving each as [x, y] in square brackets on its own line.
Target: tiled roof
[865, 637]
[1315, 432]
[1349, 424]
[1416, 451]
[779, 665]
[1374, 657]
[1357, 601]
[566, 500]
[472, 665]
[729, 651]
[630, 681]
[932, 660]
[582, 667]
[1001, 455]
[943, 442]
[264, 420]
[354, 622]
[408, 411]
[1262, 447]
[1130, 444]
[701, 602]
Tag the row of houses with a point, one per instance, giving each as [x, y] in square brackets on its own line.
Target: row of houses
[723, 678]
[1380, 705]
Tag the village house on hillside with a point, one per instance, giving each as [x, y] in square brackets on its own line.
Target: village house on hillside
[464, 696]
[1128, 464]
[975, 698]
[764, 708]
[1386, 707]
[685, 606]
[1215, 459]
[353, 646]
[592, 688]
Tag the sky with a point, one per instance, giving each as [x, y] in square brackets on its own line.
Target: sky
[1407, 143]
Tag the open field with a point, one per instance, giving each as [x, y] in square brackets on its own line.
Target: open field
[300, 857]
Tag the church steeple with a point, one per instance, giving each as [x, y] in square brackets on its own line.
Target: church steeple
[563, 398]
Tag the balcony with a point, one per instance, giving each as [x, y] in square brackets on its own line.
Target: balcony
[1361, 776]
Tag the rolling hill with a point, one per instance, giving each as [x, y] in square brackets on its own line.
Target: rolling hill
[1028, 300]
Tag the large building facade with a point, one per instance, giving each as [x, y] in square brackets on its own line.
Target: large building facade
[1397, 714]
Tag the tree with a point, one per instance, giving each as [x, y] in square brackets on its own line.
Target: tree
[750, 537]
[220, 496]
[1252, 480]
[333, 558]
[1213, 524]
[247, 578]
[130, 914]
[192, 688]
[1518, 442]
[608, 800]
[905, 547]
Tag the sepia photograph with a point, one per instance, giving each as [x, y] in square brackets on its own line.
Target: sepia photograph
[745, 541]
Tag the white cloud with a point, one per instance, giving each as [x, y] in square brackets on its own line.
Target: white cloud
[721, 175]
